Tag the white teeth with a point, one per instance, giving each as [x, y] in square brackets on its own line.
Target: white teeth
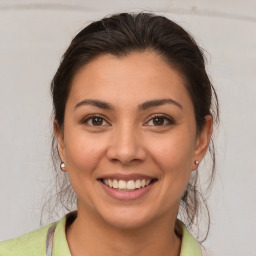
[137, 184]
[110, 183]
[126, 185]
[130, 184]
[122, 184]
[115, 184]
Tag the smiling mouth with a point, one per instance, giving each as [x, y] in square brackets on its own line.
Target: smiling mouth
[130, 185]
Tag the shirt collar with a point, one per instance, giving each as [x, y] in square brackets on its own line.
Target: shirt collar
[189, 246]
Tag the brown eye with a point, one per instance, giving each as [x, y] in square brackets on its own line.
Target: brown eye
[160, 120]
[95, 121]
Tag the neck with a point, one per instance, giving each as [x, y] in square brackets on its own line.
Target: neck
[88, 235]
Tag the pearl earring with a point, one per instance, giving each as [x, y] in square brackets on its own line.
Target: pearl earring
[62, 165]
[197, 163]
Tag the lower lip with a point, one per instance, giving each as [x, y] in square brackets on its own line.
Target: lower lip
[127, 195]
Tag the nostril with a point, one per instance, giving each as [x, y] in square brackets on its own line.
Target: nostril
[125, 152]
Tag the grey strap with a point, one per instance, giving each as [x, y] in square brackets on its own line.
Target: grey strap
[49, 240]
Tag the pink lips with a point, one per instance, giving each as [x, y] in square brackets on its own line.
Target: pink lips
[126, 195]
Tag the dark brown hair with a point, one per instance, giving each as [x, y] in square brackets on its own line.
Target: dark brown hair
[120, 35]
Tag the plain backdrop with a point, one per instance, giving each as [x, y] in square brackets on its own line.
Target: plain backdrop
[34, 35]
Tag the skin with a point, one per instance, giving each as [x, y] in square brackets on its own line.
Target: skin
[129, 141]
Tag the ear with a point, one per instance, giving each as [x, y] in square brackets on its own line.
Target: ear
[60, 140]
[202, 141]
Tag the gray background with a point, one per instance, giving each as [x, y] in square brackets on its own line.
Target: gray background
[34, 35]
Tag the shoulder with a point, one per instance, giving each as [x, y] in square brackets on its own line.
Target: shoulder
[33, 243]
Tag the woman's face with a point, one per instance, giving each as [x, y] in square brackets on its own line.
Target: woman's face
[129, 140]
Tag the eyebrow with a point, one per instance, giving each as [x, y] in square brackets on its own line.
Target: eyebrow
[96, 103]
[155, 103]
[141, 107]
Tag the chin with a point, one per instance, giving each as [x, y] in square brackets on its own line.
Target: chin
[127, 223]
[127, 219]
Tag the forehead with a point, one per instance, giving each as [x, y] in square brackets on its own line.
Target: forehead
[138, 76]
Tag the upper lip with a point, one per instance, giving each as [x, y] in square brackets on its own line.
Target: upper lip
[127, 177]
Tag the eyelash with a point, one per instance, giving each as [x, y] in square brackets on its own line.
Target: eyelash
[90, 117]
[169, 120]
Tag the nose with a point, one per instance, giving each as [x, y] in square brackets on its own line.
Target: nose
[126, 146]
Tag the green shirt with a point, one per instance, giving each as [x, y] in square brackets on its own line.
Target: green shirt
[34, 243]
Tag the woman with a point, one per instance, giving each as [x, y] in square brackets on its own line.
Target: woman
[133, 117]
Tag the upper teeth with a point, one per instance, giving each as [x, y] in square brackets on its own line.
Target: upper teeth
[130, 184]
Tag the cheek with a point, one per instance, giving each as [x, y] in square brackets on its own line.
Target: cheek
[83, 153]
[173, 156]
[173, 152]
